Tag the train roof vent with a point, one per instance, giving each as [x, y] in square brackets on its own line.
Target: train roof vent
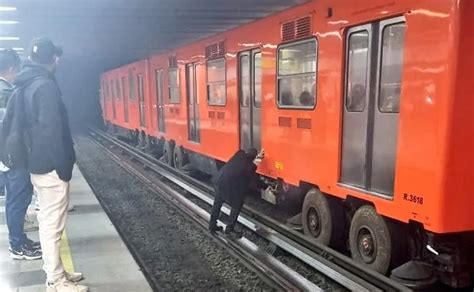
[215, 50]
[303, 27]
[172, 62]
[288, 30]
[296, 29]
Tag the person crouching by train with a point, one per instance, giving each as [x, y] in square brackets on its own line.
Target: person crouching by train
[233, 183]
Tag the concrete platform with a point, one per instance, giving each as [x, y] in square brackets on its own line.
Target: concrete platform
[91, 245]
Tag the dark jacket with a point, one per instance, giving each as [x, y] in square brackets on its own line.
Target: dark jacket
[237, 178]
[51, 145]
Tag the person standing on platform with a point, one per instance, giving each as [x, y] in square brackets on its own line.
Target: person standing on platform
[16, 178]
[51, 156]
[232, 184]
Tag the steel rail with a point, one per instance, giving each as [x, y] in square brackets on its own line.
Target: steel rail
[340, 268]
[275, 272]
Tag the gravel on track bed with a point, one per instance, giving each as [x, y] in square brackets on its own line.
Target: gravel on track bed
[181, 255]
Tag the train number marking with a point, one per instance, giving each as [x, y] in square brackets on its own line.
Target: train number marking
[413, 198]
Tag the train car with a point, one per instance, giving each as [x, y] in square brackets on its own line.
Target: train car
[127, 91]
[364, 110]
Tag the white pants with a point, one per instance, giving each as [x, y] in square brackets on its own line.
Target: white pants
[53, 195]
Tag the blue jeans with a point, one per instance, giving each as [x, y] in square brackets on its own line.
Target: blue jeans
[19, 191]
[2, 184]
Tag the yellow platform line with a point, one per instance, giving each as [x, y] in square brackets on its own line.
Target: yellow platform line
[65, 252]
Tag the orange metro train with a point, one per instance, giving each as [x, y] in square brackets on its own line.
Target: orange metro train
[364, 109]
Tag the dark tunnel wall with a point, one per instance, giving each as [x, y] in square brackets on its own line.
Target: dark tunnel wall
[79, 82]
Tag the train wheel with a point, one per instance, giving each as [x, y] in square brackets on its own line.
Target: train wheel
[180, 158]
[168, 153]
[322, 218]
[370, 240]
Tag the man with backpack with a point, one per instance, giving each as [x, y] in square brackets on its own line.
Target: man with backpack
[50, 153]
[15, 177]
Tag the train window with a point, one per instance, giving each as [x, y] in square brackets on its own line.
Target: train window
[357, 66]
[393, 40]
[173, 85]
[112, 90]
[118, 90]
[244, 80]
[122, 83]
[159, 85]
[257, 79]
[131, 85]
[107, 92]
[141, 87]
[297, 74]
[216, 87]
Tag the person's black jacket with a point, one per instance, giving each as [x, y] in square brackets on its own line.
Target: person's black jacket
[237, 178]
[51, 145]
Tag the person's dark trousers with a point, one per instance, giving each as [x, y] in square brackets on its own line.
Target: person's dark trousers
[2, 184]
[216, 209]
[234, 214]
[18, 196]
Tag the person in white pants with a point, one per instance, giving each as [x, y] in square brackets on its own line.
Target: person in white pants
[51, 157]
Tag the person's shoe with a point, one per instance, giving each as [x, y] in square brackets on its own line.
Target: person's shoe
[233, 233]
[215, 228]
[33, 244]
[70, 208]
[25, 252]
[74, 277]
[65, 287]
[30, 225]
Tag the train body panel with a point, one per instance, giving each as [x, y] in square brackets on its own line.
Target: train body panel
[415, 156]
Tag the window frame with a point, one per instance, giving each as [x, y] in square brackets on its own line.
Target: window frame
[178, 86]
[277, 75]
[253, 79]
[370, 66]
[225, 81]
[239, 76]
[382, 26]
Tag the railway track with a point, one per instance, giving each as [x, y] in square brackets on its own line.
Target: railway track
[322, 259]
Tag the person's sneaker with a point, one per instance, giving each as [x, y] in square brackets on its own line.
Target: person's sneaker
[215, 228]
[25, 252]
[233, 233]
[74, 277]
[70, 208]
[30, 225]
[33, 244]
[65, 287]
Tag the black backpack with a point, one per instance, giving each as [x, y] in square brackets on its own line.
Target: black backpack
[13, 137]
[15, 128]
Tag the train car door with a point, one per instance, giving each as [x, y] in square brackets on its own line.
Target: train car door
[125, 100]
[160, 100]
[114, 94]
[374, 62]
[193, 108]
[141, 100]
[104, 96]
[250, 96]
